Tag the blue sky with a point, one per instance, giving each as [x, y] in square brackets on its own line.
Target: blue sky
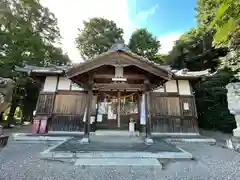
[167, 16]
[166, 19]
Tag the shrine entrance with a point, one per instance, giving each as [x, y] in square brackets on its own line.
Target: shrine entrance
[122, 82]
[116, 109]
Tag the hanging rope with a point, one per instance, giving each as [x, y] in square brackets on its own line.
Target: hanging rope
[121, 97]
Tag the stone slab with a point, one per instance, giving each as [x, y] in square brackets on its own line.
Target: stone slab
[148, 140]
[27, 137]
[84, 140]
[160, 155]
[118, 162]
[194, 140]
[115, 133]
[115, 145]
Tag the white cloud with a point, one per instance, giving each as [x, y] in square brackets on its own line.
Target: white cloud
[144, 15]
[71, 13]
[167, 42]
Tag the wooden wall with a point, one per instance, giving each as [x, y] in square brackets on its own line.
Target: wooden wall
[173, 113]
[65, 108]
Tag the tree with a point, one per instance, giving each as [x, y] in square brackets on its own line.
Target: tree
[211, 101]
[27, 34]
[194, 51]
[160, 58]
[97, 36]
[143, 43]
[224, 18]
[226, 21]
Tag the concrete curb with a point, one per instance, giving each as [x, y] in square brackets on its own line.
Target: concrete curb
[191, 140]
[174, 134]
[152, 162]
[162, 155]
[25, 137]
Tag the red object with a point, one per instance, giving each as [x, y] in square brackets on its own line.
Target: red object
[43, 125]
[36, 123]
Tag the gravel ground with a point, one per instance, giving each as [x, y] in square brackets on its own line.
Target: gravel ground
[20, 161]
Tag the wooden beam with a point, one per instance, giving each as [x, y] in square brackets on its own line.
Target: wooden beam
[118, 86]
[127, 76]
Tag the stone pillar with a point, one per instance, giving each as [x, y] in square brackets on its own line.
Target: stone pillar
[233, 98]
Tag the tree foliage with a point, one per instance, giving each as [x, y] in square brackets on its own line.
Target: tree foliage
[211, 101]
[194, 51]
[143, 43]
[28, 32]
[213, 44]
[227, 22]
[97, 36]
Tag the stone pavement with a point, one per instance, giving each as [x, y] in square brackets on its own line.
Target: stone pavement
[115, 144]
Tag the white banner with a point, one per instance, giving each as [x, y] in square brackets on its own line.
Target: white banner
[85, 115]
[143, 114]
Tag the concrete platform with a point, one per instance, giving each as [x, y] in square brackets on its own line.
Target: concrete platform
[72, 149]
[153, 162]
[39, 137]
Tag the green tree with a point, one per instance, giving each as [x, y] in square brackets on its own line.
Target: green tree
[194, 51]
[211, 101]
[27, 34]
[143, 43]
[226, 22]
[160, 58]
[97, 36]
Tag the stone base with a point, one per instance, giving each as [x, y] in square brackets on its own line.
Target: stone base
[153, 162]
[148, 140]
[85, 140]
[236, 132]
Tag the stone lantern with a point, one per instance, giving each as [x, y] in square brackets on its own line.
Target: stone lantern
[233, 98]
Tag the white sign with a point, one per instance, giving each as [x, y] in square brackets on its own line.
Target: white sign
[99, 118]
[185, 106]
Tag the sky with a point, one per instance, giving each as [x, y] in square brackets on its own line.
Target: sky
[165, 19]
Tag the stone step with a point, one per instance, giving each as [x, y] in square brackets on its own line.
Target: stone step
[115, 133]
[117, 139]
[118, 162]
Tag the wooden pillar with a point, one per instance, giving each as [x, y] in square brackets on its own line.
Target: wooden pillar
[139, 100]
[118, 108]
[148, 127]
[89, 109]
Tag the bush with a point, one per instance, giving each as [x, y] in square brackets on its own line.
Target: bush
[211, 101]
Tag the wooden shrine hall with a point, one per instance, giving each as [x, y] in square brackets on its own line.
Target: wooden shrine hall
[118, 72]
[114, 88]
